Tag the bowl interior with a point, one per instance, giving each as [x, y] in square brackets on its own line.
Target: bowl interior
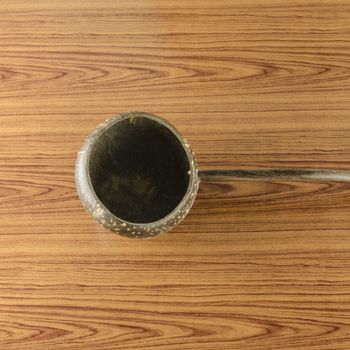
[139, 169]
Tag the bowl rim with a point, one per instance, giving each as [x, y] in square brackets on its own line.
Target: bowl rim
[102, 214]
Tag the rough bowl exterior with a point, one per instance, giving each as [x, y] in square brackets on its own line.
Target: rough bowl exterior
[104, 216]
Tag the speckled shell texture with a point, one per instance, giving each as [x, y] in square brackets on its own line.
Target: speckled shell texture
[100, 213]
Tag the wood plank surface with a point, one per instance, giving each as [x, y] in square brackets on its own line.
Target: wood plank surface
[256, 265]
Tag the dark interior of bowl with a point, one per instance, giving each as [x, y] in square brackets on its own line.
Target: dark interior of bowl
[139, 169]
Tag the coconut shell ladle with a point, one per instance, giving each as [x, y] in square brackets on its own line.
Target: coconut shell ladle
[138, 177]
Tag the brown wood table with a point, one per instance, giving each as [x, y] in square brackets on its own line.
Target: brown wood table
[250, 84]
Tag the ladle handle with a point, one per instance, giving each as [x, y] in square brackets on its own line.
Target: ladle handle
[273, 174]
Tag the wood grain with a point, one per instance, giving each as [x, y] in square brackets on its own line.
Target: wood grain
[250, 84]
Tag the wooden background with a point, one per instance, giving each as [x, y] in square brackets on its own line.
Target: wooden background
[250, 84]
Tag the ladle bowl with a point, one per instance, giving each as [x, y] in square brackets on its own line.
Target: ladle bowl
[137, 175]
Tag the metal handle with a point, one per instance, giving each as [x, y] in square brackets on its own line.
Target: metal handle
[271, 174]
